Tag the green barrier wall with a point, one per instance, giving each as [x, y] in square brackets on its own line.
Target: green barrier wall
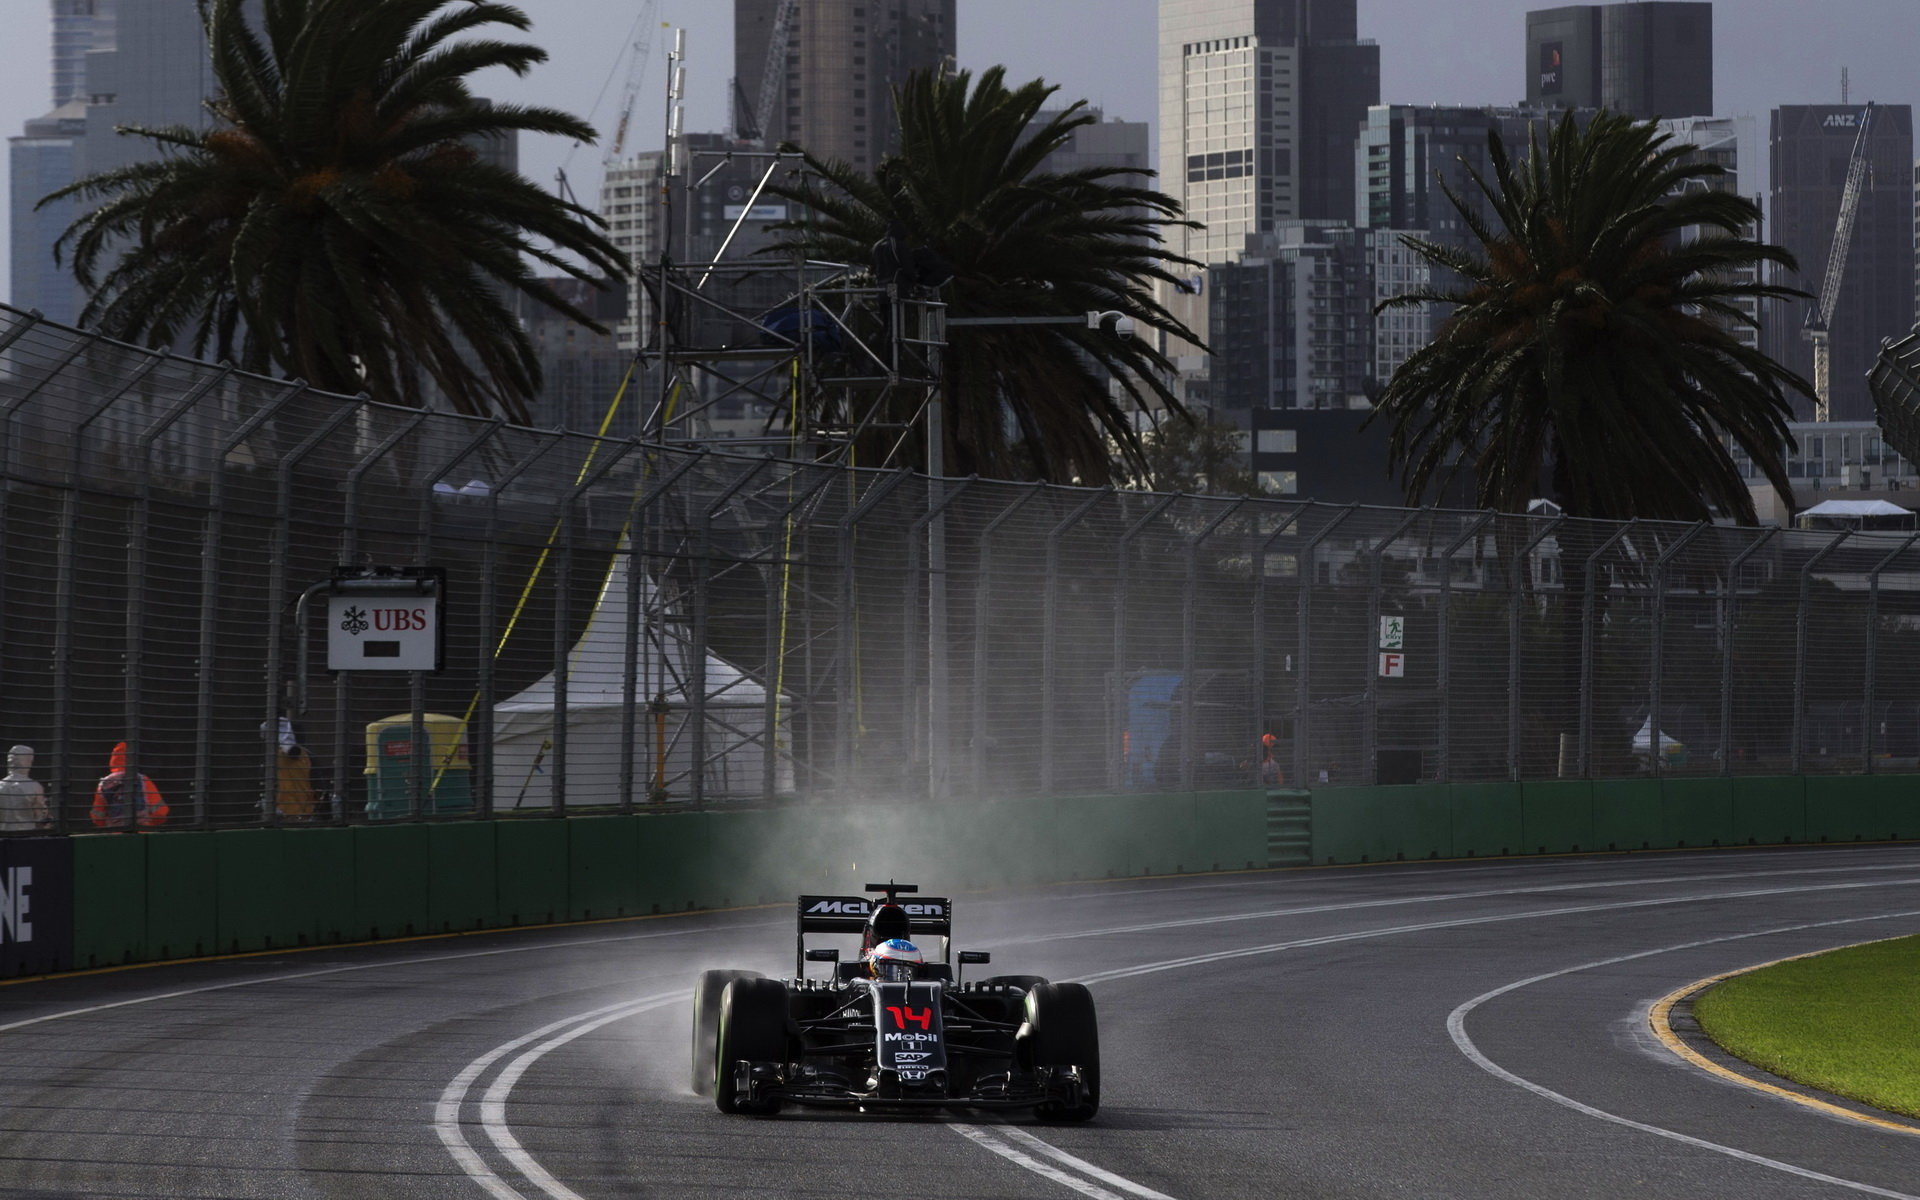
[151, 896]
[1471, 820]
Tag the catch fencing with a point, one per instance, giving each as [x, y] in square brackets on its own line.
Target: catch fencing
[631, 626]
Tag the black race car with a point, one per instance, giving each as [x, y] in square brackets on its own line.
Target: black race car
[929, 1042]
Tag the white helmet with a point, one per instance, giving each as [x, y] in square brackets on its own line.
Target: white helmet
[894, 961]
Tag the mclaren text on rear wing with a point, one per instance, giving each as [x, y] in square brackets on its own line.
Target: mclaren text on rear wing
[848, 914]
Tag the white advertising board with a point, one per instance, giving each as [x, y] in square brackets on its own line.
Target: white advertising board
[383, 633]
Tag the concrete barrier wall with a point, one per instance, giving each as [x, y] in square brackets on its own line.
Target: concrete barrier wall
[1477, 820]
[153, 896]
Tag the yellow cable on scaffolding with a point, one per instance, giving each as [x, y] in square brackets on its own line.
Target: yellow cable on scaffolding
[786, 558]
[539, 566]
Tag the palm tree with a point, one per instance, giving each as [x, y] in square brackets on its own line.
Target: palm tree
[335, 221]
[1592, 346]
[967, 189]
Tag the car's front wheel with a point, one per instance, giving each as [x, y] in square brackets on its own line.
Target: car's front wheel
[753, 1027]
[706, 1024]
[1061, 1030]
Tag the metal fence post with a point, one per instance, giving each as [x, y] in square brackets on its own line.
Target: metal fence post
[66, 570]
[982, 620]
[918, 565]
[697, 632]
[1521, 573]
[1050, 633]
[1189, 639]
[1370, 714]
[589, 476]
[1870, 698]
[277, 579]
[1655, 710]
[636, 631]
[1116, 703]
[137, 574]
[1303, 710]
[1443, 749]
[1800, 651]
[1262, 720]
[210, 562]
[1588, 638]
[847, 727]
[491, 643]
[1729, 624]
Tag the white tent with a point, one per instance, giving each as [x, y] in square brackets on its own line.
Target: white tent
[1856, 508]
[1670, 749]
[736, 715]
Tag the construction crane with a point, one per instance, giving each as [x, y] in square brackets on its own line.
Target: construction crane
[1820, 316]
[642, 47]
[758, 123]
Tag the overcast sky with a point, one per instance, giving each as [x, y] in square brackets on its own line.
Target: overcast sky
[1768, 52]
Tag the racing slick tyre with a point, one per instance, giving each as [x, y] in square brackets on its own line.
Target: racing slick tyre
[1061, 1031]
[706, 1024]
[753, 1026]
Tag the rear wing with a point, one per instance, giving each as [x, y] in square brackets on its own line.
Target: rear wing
[930, 915]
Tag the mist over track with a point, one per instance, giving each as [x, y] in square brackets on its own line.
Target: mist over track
[1462, 1029]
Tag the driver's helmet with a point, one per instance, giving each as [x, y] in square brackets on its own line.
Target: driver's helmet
[888, 923]
[894, 961]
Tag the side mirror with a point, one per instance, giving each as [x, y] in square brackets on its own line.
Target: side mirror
[832, 956]
[971, 958]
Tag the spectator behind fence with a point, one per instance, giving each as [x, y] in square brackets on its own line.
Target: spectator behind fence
[23, 802]
[110, 796]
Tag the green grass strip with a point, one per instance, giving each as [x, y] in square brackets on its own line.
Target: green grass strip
[1846, 1022]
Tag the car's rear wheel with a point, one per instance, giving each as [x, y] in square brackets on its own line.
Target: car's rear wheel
[706, 1024]
[1061, 1030]
[753, 1026]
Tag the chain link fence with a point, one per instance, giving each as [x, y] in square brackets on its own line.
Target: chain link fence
[630, 626]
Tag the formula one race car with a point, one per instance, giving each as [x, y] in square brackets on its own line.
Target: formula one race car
[895, 1029]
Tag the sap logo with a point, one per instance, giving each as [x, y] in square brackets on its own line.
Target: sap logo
[1842, 121]
[911, 1037]
[15, 905]
[915, 1056]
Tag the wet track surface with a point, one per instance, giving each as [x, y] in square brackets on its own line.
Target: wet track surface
[1471, 1029]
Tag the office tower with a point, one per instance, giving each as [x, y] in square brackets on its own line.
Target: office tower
[1725, 142]
[157, 73]
[79, 26]
[1646, 60]
[1260, 102]
[42, 160]
[1105, 143]
[1812, 145]
[46, 156]
[842, 61]
[1292, 320]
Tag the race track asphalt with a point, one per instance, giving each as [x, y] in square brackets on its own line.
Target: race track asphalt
[1467, 1029]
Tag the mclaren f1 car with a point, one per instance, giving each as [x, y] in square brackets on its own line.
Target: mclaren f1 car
[896, 1029]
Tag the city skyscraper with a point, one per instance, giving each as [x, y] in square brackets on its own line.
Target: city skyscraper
[46, 156]
[843, 60]
[1812, 145]
[1647, 60]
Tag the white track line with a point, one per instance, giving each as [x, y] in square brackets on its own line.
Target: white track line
[1080, 1164]
[446, 1112]
[493, 1109]
[1019, 1158]
[1457, 1030]
[1175, 964]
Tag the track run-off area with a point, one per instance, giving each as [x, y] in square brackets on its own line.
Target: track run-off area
[1472, 1029]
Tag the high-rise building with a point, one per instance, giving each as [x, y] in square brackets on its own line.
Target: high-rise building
[1105, 143]
[41, 161]
[843, 59]
[1812, 145]
[1647, 60]
[1726, 142]
[1260, 105]
[1292, 320]
[47, 156]
[156, 73]
[79, 26]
